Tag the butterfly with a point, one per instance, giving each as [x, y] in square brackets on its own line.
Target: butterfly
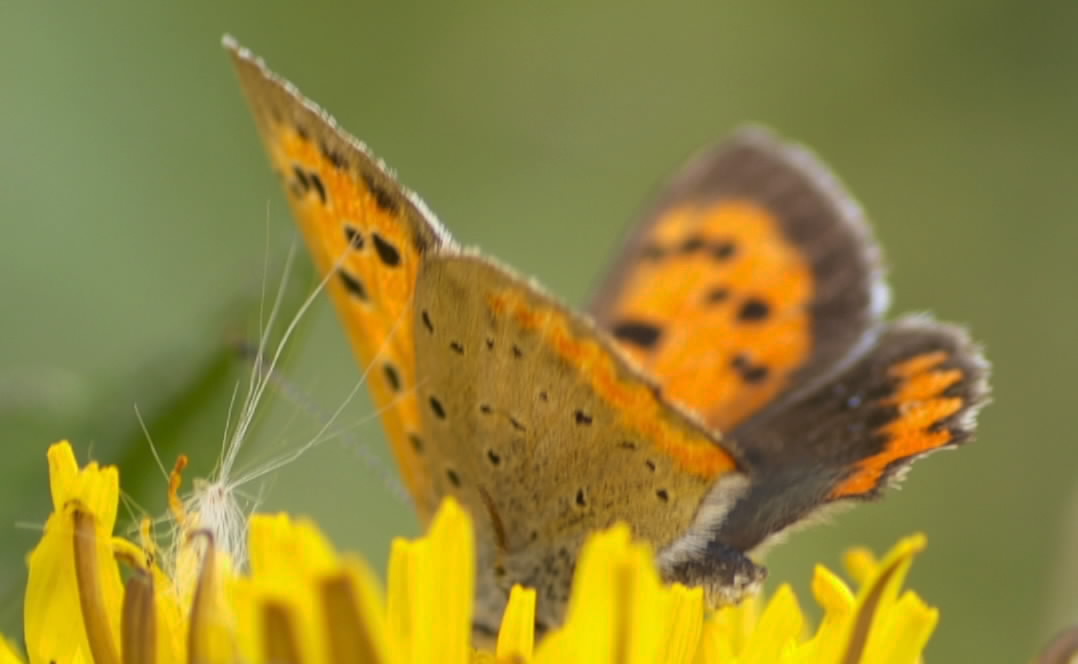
[733, 377]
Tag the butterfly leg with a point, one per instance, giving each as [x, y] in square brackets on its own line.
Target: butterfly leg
[726, 574]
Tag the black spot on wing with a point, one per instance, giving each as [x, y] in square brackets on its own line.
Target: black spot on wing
[354, 237]
[417, 442]
[386, 251]
[393, 378]
[723, 250]
[300, 177]
[692, 244]
[717, 294]
[383, 198]
[318, 186]
[334, 157]
[749, 371]
[353, 285]
[638, 333]
[437, 408]
[753, 310]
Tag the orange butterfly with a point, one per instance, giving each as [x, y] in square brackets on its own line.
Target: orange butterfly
[735, 375]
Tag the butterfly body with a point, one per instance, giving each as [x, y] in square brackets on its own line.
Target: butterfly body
[734, 375]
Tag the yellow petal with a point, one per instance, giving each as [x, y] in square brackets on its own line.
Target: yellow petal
[909, 626]
[58, 589]
[97, 489]
[591, 626]
[838, 603]
[683, 612]
[516, 638]
[861, 564]
[442, 588]
[778, 630]
[619, 611]
[9, 654]
[727, 633]
[284, 550]
[874, 600]
[212, 621]
[354, 616]
[399, 625]
[295, 577]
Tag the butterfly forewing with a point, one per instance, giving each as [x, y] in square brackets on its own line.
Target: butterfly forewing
[752, 275]
[365, 229]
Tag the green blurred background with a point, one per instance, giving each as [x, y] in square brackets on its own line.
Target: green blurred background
[139, 211]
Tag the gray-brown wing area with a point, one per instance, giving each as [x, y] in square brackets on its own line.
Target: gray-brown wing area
[519, 431]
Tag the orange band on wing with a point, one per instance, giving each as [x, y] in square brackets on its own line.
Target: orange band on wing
[639, 407]
[920, 407]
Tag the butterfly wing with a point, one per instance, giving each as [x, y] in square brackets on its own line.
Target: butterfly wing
[752, 274]
[542, 428]
[918, 390]
[753, 293]
[360, 224]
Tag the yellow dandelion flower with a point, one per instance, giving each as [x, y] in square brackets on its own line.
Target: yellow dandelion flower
[302, 602]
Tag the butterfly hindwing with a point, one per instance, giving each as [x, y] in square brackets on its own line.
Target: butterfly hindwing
[752, 274]
[359, 223]
[916, 391]
[545, 432]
